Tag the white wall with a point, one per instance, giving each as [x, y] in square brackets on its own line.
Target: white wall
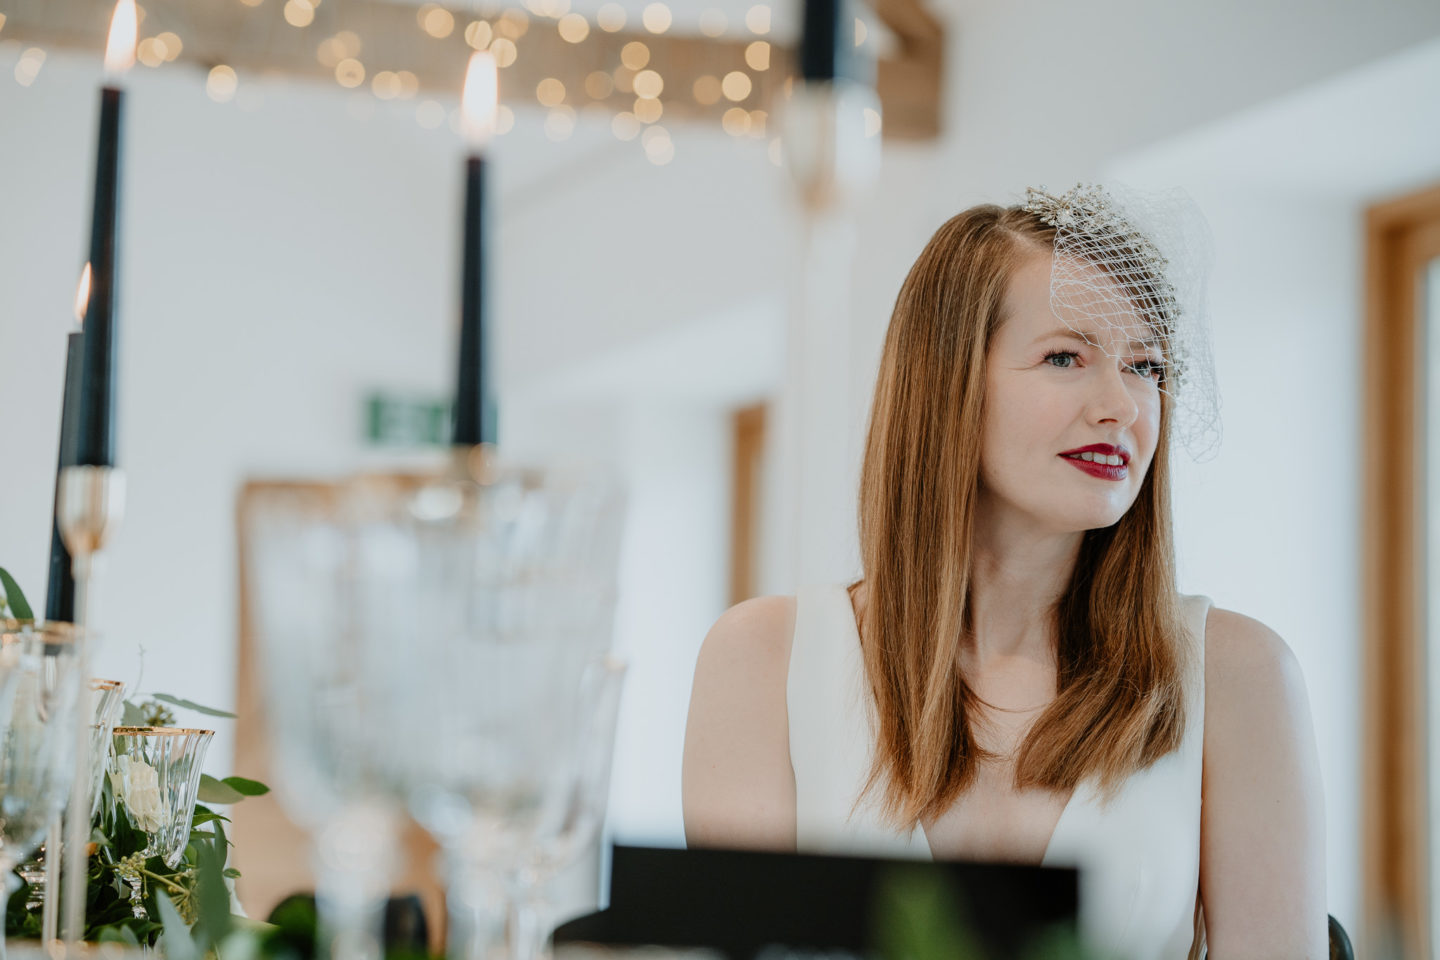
[677, 563]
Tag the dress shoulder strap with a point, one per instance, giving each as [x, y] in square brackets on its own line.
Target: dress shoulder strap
[1197, 609]
[831, 739]
[818, 700]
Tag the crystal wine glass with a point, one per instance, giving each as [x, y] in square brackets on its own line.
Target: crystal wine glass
[325, 715]
[576, 813]
[155, 776]
[39, 687]
[512, 614]
[426, 639]
[108, 700]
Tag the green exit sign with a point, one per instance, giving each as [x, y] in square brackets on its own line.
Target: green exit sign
[406, 421]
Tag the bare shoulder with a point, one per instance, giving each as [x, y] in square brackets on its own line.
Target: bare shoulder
[1245, 659]
[1262, 868]
[752, 636]
[737, 785]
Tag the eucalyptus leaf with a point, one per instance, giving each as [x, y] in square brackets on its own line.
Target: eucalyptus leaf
[217, 791]
[212, 897]
[192, 705]
[132, 716]
[250, 788]
[115, 933]
[177, 940]
[15, 597]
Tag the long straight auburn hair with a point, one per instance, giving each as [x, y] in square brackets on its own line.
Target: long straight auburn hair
[1122, 652]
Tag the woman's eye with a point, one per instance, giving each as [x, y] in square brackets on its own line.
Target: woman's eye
[1153, 369]
[1067, 356]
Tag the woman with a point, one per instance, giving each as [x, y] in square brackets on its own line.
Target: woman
[1016, 677]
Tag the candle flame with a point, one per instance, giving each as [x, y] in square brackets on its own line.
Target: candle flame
[480, 100]
[82, 294]
[120, 47]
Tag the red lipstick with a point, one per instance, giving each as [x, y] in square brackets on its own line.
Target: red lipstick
[1102, 470]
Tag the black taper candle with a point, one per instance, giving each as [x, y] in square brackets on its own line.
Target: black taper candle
[95, 426]
[60, 592]
[475, 414]
[820, 40]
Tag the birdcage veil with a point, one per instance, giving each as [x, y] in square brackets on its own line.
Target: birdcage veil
[1137, 262]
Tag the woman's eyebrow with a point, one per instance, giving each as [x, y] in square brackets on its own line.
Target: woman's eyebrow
[1093, 339]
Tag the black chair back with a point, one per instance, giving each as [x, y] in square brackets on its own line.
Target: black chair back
[1340, 948]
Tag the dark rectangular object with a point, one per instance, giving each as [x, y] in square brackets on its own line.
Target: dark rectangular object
[738, 902]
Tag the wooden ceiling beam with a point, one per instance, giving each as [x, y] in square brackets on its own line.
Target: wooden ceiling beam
[259, 41]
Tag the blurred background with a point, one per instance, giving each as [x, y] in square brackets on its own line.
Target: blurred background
[289, 300]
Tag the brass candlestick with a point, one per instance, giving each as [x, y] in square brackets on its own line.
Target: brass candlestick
[91, 504]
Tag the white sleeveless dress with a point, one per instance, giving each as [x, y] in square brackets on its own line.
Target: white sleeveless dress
[1139, 855]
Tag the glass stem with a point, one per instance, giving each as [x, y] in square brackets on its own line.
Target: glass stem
[354, 857]
[529, 924]
[475, 900]
[12, 883]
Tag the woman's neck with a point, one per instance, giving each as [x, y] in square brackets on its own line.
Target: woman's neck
[1016, 581]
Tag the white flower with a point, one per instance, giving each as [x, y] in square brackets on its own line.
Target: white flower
[137, 784]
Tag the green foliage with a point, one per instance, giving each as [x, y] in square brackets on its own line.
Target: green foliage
[14, 597]
[192, 705]
[153, 713]
[188, 906]
[919, 917]
[218, 791]
[246, 787]
[229, 790]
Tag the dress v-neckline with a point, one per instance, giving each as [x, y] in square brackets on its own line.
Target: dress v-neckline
[924, 838]
[919, 827]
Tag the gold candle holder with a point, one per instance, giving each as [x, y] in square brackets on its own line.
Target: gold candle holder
[89, 509]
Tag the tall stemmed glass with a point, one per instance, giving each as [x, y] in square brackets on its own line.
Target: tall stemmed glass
[109, 702]
[155, 776]
[40, 872]
[428, 639]
[512, 609]
[326, 715]
[39, 686]
[576, 813]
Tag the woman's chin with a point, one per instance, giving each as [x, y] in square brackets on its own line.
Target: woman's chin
[1096, 515]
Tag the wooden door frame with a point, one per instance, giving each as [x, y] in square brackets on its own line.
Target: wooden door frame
[748, 433]
[1396, 830]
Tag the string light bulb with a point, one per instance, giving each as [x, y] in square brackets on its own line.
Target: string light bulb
[656, 18]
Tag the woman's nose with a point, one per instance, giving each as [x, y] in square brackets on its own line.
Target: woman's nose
[1112, 399]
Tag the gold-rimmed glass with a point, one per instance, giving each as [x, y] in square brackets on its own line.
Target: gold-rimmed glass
[39, 688]
[109, 701]
[155, 777]
[109, 698]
